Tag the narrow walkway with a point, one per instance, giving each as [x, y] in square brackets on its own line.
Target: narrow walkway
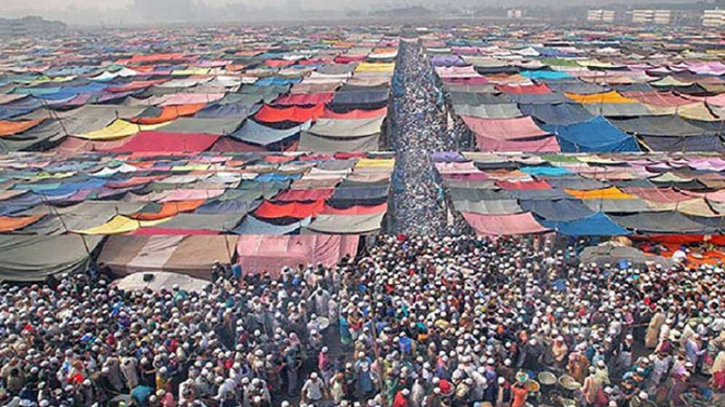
[418, 128]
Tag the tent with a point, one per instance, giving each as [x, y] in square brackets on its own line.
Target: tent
[596, 135]
[189, 255]
[34, 258]
[260, 253]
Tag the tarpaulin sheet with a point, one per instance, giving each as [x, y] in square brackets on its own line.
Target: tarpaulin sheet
[191, 125]
[596, 135]
[608, 193]
[219, 110]
[33, 258]
[119, 224]
[303, 99]
[610, 254]
[149, 141]
[155, 115]
[659, 126]
[373, 96]
[347, 128]
[220, 222]
[490, 207]
[8, 128]
[559, 114]
[259, 253]
[253, 226]
[498, 225]
[607, 97]
[9, 224]
[684, 144]
[346, 224]
[304, 195]
[657, 98]
[361, 193]
[504, 129]
[618, 205]
[559, 210]
[271, 114]
[355, 114]
[527, 89]
[660, 222]
[119, 129]
[618, 110]
[499, 111]
[311, 142]
[477, 99]
[179, 194]
[662, 195]
[155, 211]
[239, 206]
[356, 210]
[597, 224]
[299, 210]
[257, 133]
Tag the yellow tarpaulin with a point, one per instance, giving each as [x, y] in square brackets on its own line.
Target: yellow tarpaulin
[607, 193]
[120, 224]
[119, 129]
[606, 97]
[384, 163]
[371, 67]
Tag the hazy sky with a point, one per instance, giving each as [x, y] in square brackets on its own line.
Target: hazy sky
[125, 11]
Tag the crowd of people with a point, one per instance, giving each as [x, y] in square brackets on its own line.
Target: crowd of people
[419, 128]
[418, 322]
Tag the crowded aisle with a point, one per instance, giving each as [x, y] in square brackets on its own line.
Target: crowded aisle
[418, 129]
[420, 321]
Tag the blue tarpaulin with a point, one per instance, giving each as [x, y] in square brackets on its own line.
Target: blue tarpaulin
[598, 224]
[594, 136]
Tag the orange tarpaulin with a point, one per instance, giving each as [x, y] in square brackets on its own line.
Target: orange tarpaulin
[297, 114]
[8, 128]
[169, 113]
[607, 193]
[271, 210]
[169, 209]
[606, 97]
[9, 224]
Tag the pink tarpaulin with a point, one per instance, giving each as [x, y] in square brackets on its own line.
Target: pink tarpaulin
[546, 144]
[505, 129]
[260, 253]
[191, 98]
[518, 134]
[162, 141]
[75, 144]
[663, 195]
[667, 99]
[302, 99]
[496, 225]
[456, 72]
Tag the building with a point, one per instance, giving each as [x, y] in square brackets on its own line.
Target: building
[515, 13]
[29, 27]
[713, 18]
[662, 17]
[601, 16]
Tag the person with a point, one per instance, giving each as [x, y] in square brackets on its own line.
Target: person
[519, 394]
[313, 390]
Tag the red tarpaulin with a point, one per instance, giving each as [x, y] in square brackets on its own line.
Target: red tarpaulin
[271, 210]
[346, 59]
[267, 253]
[160, 141]
[304, 195]
[271, 114]
[302, 99]
[495, 225]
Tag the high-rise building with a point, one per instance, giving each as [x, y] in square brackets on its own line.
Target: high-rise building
[713, 18]
[663, 17]
[603, 16]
